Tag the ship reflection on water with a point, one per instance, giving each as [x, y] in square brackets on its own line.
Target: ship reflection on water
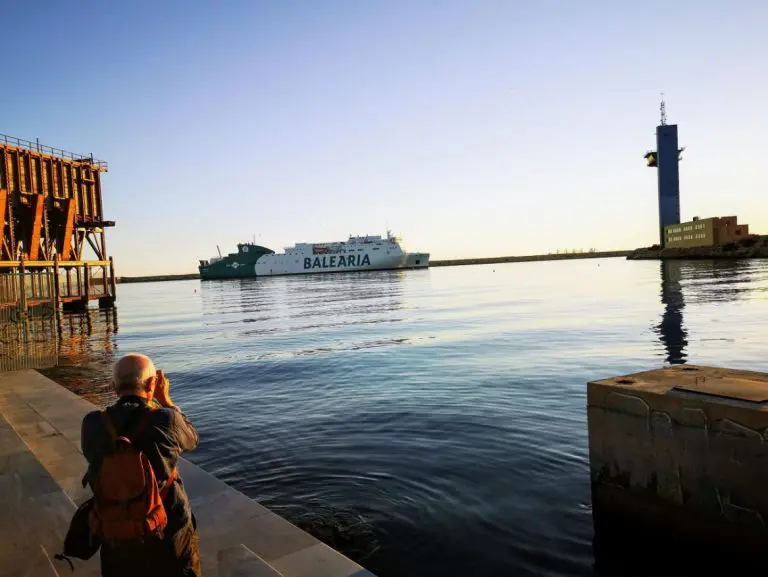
[86, 353]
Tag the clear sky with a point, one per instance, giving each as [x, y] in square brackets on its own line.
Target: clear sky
[472, 128]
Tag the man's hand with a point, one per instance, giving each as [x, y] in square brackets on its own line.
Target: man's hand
[162, 390]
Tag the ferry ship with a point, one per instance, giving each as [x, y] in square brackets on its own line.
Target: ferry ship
[358, 253]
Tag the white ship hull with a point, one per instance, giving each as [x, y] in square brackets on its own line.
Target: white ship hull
[356, 254]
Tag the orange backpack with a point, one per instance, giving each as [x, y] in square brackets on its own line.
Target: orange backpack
[128, 504]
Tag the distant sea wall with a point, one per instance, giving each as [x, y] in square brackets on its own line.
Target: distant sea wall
[751, 247]
[130, 279]
[531, 258]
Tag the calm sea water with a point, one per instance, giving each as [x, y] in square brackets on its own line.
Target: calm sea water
[426, 422]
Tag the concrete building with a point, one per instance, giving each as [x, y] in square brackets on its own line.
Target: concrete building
[705, 232]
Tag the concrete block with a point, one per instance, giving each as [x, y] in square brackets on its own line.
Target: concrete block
[318, 561]
[73, 488]
[21, 475]
[242, 562]
[683, 450]
[222, 507]
[267, 534]
[19, 413]
[35, 516]
[10, 443]
[34, 563]
[67, 416]
[72, 434]
[53, 447]
[199, 484]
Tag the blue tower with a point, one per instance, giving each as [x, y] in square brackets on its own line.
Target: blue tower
[666, 159]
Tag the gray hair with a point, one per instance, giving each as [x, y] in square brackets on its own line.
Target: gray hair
[131, 372]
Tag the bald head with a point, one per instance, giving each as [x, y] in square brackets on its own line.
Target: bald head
[132, 374]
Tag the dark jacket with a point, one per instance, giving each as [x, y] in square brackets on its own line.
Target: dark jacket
[166, 435]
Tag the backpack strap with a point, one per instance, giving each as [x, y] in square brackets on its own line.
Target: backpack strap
[175, 472]
[108, 424]
[167, 487]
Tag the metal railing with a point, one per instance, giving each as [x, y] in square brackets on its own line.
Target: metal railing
[28, 334]
[43, 149]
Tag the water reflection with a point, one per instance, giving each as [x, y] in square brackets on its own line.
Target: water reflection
[87, 335]
[630, 547]
[703, 282]
[717, 281]
[216, 296]
[86, 352]
[671, 330]
[293, 297]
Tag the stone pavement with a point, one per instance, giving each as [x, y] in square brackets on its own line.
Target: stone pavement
[40, 471]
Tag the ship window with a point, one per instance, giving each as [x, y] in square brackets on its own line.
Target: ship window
[418, 261]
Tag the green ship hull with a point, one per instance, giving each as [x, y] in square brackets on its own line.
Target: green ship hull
[240, 264]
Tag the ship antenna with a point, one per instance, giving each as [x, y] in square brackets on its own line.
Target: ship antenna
[663, 108]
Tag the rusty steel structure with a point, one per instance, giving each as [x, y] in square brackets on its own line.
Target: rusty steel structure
[51, 213]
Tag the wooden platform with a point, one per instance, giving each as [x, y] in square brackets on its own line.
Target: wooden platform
[40, 470]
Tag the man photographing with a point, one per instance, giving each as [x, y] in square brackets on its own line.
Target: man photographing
[142, 515]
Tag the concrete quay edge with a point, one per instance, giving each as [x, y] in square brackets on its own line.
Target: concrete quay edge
[40, 451]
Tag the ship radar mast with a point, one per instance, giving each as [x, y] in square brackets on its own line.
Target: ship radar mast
[663, 110]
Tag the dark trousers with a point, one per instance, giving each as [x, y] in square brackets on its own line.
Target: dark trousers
[176, 555]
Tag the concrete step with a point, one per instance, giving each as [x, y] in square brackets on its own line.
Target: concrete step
[35, 515]
[242, 562]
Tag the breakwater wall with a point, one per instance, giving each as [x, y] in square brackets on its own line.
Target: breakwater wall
[160, 278]
[751, 247]
[531, 258]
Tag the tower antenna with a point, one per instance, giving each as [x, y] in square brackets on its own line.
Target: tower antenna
[663, 108]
